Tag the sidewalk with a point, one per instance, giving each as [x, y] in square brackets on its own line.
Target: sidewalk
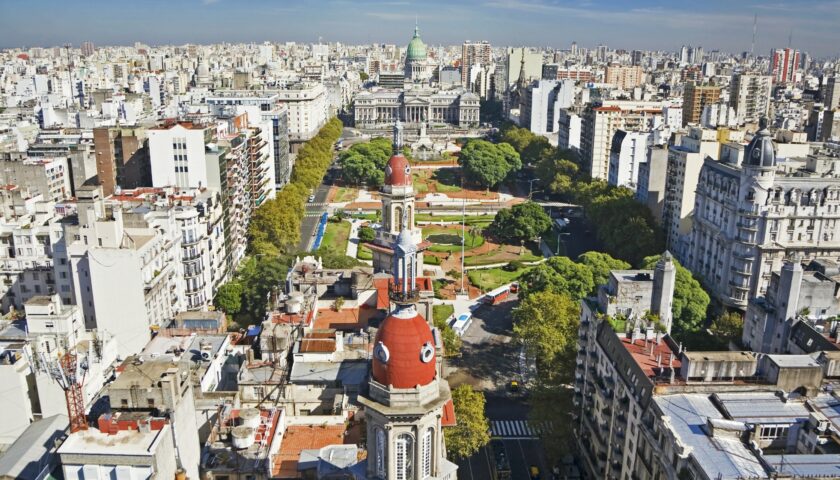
[353, 238]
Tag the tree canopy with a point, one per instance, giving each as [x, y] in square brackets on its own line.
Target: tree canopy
[366, 234]
[547, 325]
[558, 275]
[690, 300]
[472, 430]
[364, 163]
[525, 221]
[600, 264]
[486, 164]
[229, 298]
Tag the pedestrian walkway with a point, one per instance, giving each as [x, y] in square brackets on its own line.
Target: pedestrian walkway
[515, 429]
[353, 239]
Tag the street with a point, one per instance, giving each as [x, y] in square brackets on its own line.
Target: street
[489, 361]
[313, 213]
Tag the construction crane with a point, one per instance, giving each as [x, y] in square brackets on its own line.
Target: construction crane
[70, 375]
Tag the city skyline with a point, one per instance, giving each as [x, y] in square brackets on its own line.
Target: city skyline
[654, 25]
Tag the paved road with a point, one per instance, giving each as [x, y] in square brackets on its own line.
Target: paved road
[314, 210]
[490, 359]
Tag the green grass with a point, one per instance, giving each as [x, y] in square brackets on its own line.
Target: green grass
[371, 217]
[491, 278]
[551, 240]
[473, 240]
[420, 185]
[336, 236]
[488, 258]
[431, 260]
[364, 253]
[345, 194]
[480, 220]
[441, 312]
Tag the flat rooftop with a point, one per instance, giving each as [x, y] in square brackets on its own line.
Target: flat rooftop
[344, 319]
[805, 466]
[794, 361]
[652, 364]
[720, 356]
[347, 372]
[719, 457]
[124, 442]
[761, 408]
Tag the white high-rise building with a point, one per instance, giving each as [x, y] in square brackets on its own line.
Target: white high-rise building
[308, 106]
[627, 153]
[541, 104]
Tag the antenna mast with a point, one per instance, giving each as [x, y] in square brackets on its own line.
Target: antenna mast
[755, 26]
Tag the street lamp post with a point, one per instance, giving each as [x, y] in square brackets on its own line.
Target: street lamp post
[531, 187]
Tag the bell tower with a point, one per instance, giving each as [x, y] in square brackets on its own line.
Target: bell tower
[406, 396]
[398, 210]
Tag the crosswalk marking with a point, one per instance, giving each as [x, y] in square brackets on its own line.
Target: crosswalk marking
[516, 428]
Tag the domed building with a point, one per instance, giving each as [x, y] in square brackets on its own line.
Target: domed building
[418, 69]
[407, 403]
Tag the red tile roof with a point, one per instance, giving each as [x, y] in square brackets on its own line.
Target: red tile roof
[448, 419]
[641, 352]
[303, 437]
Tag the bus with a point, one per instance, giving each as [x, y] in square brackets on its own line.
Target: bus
[461, 323]
[500, 463]
[494, 297]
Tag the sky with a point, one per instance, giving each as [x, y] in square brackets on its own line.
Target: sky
[649, 25]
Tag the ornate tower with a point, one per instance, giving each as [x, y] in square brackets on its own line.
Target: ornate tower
[406, 397]
[397, 195]
[417, 67]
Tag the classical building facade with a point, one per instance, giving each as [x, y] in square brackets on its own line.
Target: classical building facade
[752, 212]
[418, 100]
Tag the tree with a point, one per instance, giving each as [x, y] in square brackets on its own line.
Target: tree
[600, 264]
[547, 325]
[366, 234]
[690, 300]
[451, 341]
[258, 277]
[525, 221]
[472, 430]
[486, 164]
[338, 304]
[730, 324]
[558, 275]
[229, 298]
[363, 76]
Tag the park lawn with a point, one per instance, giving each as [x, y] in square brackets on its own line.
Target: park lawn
[473, 239]
[420, 183]
[482, 220]
[371, 217]
[431, 260]
[499, 256]
[490, 278]
[441, 312]
[364, 253]
[336, 236]
[345, 194]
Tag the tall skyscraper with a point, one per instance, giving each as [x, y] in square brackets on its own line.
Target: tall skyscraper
[472, 54]
[602, 53]
[784, 64]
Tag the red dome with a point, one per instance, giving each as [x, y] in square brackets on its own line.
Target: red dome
[407, 343]
[398, 172]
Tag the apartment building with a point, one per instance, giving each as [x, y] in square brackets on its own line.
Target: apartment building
[600, 122]
[125, 269]
[541, 105]
[695, 99]
[646, 408]
[624, 77]
[308, 110]
[749, 95]
[627, 153]
[753, 210]
[683, 172]
[122, 158]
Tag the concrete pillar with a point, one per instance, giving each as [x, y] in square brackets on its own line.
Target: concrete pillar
[664, 279]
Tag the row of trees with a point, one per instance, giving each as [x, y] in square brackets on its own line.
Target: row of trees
[275, 225]
[274, 232]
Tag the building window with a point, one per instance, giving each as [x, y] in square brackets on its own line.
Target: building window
[427, 453]
[380, 453]
[403, 456]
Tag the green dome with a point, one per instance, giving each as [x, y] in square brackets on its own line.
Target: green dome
[416, 47]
